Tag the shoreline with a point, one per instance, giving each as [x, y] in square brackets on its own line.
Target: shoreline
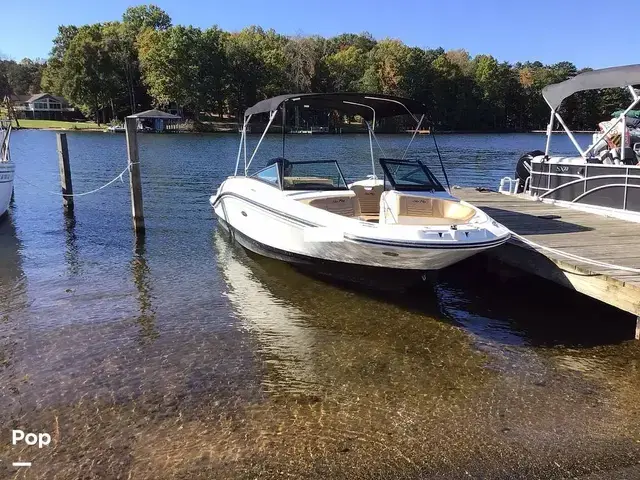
[93, 129]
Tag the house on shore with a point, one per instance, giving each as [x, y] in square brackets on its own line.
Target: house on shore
[43, 106]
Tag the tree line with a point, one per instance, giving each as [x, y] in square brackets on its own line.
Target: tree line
[112, 69]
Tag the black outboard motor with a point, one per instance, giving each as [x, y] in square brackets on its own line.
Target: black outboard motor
[523, 168]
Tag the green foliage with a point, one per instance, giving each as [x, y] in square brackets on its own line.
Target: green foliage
[256, 66]
[175, 69]
[20, 78]
[115, 68]
[387, 63]
[345, 69]
[147, 16]
[87, 73]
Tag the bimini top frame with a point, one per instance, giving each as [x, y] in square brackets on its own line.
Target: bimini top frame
[368, 106]
[621, 77]
[5, 135]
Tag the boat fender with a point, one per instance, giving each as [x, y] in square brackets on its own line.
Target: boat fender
[523, 168]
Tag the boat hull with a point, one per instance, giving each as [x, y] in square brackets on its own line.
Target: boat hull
[7, 172]
[271, 233]
[378, 278]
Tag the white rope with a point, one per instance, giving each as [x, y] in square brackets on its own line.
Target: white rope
[84, 193]
[572, 256]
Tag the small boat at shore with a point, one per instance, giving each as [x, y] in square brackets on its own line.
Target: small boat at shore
[604, 177]
[305, 212]
[7, 168]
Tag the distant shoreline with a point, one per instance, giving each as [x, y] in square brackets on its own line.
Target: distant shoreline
[562, 131]
[83, 127]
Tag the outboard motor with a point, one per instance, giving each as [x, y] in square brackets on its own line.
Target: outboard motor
[523, 168]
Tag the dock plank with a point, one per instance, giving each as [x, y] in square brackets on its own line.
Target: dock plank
[596, 237]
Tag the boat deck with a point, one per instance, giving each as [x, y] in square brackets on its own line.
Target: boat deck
[588, 235]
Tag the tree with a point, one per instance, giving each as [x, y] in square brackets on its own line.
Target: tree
[489, 80]
[304, 57]
[345, 68]
[386, 66]
[87, 73]
[256, 66]
[119, 41]
[362, 41]
[51, 74]
[168, 63]
[147, 16]
[144, 60]
[213, 70]
[24, 77]
[175, 68]
[418, 78]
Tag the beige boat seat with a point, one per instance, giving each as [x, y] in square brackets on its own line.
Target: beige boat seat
[347, 206]
[419, 210]
[369, 198]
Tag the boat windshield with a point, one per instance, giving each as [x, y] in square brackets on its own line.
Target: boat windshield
[313, 175]
[409, 175]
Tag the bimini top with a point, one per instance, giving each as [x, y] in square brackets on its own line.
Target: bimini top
[604, 78]
[362, 104]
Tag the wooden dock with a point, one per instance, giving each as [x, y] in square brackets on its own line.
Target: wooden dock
[588, 235]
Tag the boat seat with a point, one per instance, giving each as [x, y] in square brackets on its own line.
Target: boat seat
[419, 210]
[369, 198]
[345, 206]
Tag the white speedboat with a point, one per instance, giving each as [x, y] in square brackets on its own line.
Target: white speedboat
[305, 212]
[604, 177]
[7, 168]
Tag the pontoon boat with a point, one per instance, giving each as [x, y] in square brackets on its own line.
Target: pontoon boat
[305, 212]
[605, 177]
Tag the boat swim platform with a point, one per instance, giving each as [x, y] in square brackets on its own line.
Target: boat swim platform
[588, 235]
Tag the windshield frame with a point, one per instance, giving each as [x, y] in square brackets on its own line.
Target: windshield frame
[321, 187]
[279, 176]
[387, 163]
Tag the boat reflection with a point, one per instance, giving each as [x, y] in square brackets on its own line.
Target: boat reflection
[314, 334]
[277, 322]
[12, 276]
[13, 290]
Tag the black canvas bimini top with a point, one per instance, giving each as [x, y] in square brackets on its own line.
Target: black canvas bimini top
[362, 104]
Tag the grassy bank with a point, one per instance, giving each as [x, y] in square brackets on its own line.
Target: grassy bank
[60, 125]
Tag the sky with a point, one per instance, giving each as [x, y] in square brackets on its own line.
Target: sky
[579, 31]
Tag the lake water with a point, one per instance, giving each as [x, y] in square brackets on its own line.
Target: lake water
[184, 357]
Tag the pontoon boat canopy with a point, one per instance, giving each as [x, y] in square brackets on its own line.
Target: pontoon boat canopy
[604, 78]
[362, 104]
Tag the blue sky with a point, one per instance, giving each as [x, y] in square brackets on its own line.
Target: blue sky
[579, 31]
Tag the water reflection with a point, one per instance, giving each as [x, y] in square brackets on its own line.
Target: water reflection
[72, 253]
[500, 304]
[146, 318]
[13, 282]
[315, 333]
[444, 376]
[13, 293]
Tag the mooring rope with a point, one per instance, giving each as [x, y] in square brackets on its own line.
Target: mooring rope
[84, 193]
[572, 256]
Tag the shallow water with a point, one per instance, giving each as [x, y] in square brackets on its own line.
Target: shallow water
[184, 357]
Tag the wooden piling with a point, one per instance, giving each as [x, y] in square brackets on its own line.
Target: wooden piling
[637, 328]
[65, 171]
[135, 183]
